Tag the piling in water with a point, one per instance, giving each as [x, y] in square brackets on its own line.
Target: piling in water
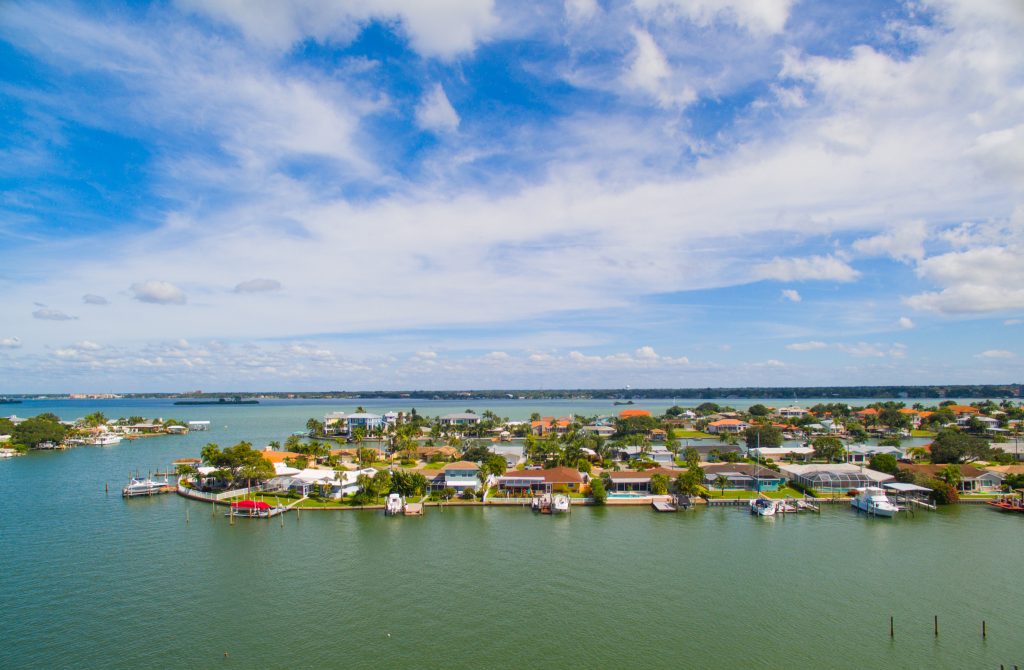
[936, 625]
[891, 628]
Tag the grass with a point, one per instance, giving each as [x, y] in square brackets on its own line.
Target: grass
[732, 495]
[922, 433]
[682, 434]
[434, 466]
[783, 492]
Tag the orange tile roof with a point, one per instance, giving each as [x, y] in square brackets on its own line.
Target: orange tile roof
[628, 413]
[278, 456]
[726, 422]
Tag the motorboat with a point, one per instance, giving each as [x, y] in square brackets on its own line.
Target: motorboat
[560, 504]
[252, 509]
[394, 505]
[143, 487]
[762, 507]
[872, 499]
[104, 440]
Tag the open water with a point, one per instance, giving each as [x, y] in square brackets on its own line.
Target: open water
[89, 580]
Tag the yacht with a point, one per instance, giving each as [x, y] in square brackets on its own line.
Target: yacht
[142, 487]
[394, 505]
[873, 500]
[762, 507]
[560, 504]
[104, 440]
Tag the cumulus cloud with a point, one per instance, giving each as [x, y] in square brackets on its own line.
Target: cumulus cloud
[869, 350]
[791, 294]
[1013, 322]
[806, 346]
[158, 293]
[435, 112]
[258, 286]
[10, 343]
[756, 16]
[903, 243]
[649, 72]
[997, 354]
[47, 314]
[828, 268]
[985, 279]
[92, 299]
[88, 345]
[905, 323]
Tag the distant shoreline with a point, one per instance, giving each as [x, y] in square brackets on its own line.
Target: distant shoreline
[929, 392]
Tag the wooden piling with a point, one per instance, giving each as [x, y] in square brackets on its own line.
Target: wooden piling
[936, 625]
[891, 630]
[984, 632]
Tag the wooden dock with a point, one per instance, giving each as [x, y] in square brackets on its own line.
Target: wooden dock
[413, 509]
[660, 506]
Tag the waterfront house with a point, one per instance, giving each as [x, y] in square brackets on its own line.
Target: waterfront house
[862, 453]
[460, 419]
[779, 453]
[743, 477]
[972, 480]
[602, 430]
[1016, 448]
[727, 426]
[712, 453]
[460, 475]
[366, 421]
[638, 480]
[430, 453]
[833, 477]
[336, 423]
[551, 480]
[658, 453]
[792, 412]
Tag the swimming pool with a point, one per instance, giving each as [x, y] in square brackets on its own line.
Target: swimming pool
[629, 494]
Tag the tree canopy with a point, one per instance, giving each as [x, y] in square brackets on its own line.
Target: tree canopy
[952, 446]
[762, 436]
[38, 429]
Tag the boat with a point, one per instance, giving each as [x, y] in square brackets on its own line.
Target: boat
[541, 503]
[250, 509]
[560, 504]
[9, 401]
[872, 499]
[394, 505]
[762, 507]
[1009, 503]
[221, 402]
[104, 440]
[143, 487]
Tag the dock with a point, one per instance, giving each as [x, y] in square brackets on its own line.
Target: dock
[413, 509]
[660, 506]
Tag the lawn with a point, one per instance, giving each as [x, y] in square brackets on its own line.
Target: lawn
[922, 433]
[783, 492]
[732, 495]
[682, 434]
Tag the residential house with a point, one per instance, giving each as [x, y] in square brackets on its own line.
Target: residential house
[460, 419]
[727, 426]
[778, 453]
[460, 475]
[366, 421]
[638, 480]
[550, 480]
[336, 423]
[633, 413]
[603, 431]
[792, 412]
[743, 477]
[833, 477]
[972, 479]
[862, 453]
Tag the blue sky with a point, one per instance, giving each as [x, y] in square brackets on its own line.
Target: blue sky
[461, 193]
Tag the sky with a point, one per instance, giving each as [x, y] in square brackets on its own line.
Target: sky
[302, 195]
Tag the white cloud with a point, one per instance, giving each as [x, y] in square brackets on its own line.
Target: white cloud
[158, 292]
[904, 242]
[435, 112]
[91, 299]
[827, 268]
[649, 72]
[868, 350]
[10, 343]
[997, 354]
[770, 363]
[1013, 322]
[443, 28]
[258, 286]
[756, 16]
[791, 294]
[580, 11]
[985, 279]
[88, 345]
[47, 314]
[806, 346]
[905, 322]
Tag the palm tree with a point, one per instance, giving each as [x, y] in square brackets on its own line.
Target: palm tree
[721, 481]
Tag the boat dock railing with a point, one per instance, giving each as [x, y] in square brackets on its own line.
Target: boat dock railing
[215, 496]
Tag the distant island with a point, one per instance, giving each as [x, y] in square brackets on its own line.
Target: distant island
[220, 401]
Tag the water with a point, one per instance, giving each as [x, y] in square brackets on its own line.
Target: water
[90, 580]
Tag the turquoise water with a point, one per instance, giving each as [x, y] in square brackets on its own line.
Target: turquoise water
[90, 580]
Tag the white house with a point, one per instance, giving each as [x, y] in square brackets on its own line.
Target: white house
[460, 419]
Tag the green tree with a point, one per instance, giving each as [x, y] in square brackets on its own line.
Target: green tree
[884, 463]
[315, 428]
[659, 484]
[691, 456]
[6, 426]
[829, 448]
[598, 491]
[952, 475]
[721, 481]
[34, 431]
[759, 410]
[762, 436]
[952, 446]
[95, 419]
[691, 481]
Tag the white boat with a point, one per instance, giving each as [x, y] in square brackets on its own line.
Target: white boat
[143, 487]
[762, 507]
[104, 440]
[560, 504]
[873, 500]
[394, 505]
